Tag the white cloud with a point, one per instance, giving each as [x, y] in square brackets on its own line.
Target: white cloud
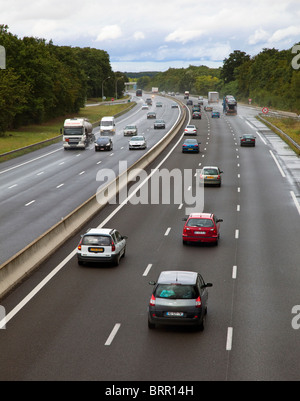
[109, 32]
[138, 35]
[260, 35]
[183, 35]
[281, 34]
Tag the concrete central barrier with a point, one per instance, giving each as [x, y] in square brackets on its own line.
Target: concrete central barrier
[25, 261]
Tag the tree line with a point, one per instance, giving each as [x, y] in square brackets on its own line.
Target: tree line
[268, 78]
[42, 81]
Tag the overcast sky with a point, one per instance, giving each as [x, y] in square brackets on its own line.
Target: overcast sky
[154, 35]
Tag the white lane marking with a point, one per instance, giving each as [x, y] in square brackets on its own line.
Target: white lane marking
[295, 201]
[60, 164]
[180, 206]
[12, 186]
[239, 189]
[167, 231]
[60, 185]
[82, 172]
[262, 139]
[277, 164]
[40, 173]
[251, 126]
[236, 235]
[238, 208]
[229, 339]
[113, 334]
[147, 269]
[234, 272]
[29, 203]
[29, 161]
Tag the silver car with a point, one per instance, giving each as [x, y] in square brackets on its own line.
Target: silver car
[179, 298]
[137, 142]
[130, 130]
[211, 175]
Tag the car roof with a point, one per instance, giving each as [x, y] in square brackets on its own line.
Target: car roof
[201, 215]
[177, 276]
[137, 137]
[99, 231]
[210, 167]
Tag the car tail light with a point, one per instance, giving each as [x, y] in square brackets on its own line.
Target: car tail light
[113, 247]
[152, 300]
[198, 302]
[218, 177]
[79, 245]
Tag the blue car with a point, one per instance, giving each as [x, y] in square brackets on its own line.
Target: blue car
[191, 145]
[215, 113]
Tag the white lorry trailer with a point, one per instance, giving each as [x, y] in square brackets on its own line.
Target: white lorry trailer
[77, 133]
[213, 97]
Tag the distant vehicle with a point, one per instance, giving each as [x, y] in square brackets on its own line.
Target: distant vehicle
[101, 245]
[149, 101]
[247, 140]
[196, 107]
[145, 106]
[159, 104]
[211, 175]
[189, 102]
[215, 114]
[200, 99]
[196, 115]
[190, 130]
[174, 106]
[186, 94]
[137, 142]
[151, 114]
[229, 105]
[77, 133]
[103, 143]
[213, 97]
[139, 92]
[107, 125]
[130, 130]
[178, 298]
[208, 108]
[201, 227]
[159, 124]
[154, 90]
[191, 145]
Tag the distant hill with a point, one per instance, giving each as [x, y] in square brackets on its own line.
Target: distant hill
[137, 75]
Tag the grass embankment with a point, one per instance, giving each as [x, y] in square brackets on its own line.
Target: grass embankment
[289, 126]
[33, 134]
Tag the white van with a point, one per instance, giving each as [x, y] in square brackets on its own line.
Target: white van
[107, 125]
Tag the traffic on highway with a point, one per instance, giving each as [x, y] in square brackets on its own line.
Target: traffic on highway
[193, 276]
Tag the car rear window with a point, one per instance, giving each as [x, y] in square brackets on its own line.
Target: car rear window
[176, 291]
[200, 223]
[211, 171]
[103, 240]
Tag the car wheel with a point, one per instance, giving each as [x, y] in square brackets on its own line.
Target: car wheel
[202, 324]
[117, 260]
[80, 262]
[151, 325]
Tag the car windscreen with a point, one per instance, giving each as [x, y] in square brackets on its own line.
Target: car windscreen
[176, 291]
[210, 171]
[101, 240]
[102, 140]
[73, 131]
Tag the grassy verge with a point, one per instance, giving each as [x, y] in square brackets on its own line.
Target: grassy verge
[290, 126]
[33, 134]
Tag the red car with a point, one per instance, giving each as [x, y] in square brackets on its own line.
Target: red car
[201, 227]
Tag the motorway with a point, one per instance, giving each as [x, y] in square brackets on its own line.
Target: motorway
[70, 322]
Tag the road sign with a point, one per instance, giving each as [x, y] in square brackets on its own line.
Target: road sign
[265, 110]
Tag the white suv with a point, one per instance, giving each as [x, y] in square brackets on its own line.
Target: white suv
[101, 245]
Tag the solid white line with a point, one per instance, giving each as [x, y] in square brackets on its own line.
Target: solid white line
[229, 339]
[29, 161]
[147, 269]
[277, 164]
[113, 334]
[234, 272]
[251, 126]
[295, 201]
[168, 230]
[262, 139]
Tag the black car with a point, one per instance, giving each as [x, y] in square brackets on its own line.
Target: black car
[189, 102]
[196, 115]
[247, 140]
[103, 143]
[159, 124]
[179, 298]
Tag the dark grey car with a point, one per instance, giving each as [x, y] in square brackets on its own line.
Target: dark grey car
[179, 298]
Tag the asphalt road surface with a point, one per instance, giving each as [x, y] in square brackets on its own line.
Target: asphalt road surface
[90, 322]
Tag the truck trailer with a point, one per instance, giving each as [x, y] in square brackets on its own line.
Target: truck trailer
[77, 133]
[229, 105]
[213, 97]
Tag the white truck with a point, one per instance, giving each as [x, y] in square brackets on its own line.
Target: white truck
[213, 97]
[77, 133]
[154, 89]
[186, 94]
